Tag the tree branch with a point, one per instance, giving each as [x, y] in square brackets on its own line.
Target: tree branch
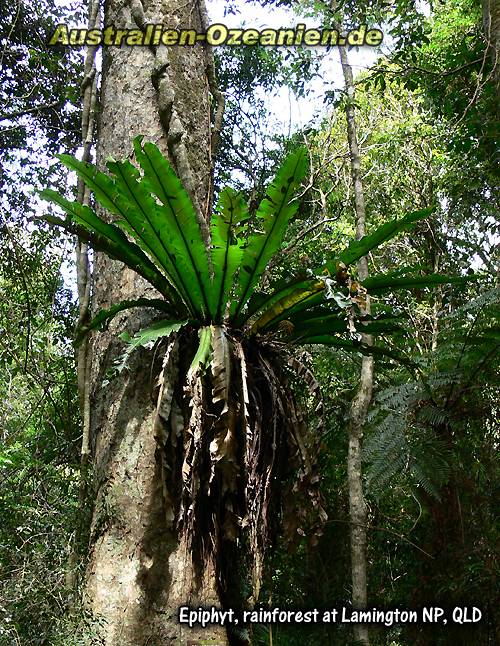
[38, 108]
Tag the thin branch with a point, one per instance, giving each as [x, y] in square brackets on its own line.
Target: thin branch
[302, 234]
[383, 529]
[420, 70]
[37, 108]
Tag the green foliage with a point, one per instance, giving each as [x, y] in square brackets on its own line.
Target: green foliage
[102, 319]
[431, 465]
[39, 437]
[169, 251]
[241, 334]
[274, 213]
[434, 144]
[38, 83]
[402, 447]
[360, 248]
[227, 247]
[146, 337]
[431, 442]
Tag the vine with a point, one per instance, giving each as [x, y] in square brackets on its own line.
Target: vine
[170, 119]
[89, 90]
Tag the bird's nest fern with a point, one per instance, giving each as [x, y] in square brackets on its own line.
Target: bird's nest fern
[233, 443]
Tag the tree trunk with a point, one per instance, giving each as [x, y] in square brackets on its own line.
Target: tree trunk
[361, 402]
[138, 575]
[491, 28]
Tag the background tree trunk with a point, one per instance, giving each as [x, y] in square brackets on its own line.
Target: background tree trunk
[361, 402]
[138, 574]
[491, 26]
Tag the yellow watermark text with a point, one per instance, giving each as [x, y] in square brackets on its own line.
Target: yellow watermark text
[216, 35]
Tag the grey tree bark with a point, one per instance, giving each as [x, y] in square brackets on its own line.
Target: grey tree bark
[362, 399]
[138, 575]
[491, 27]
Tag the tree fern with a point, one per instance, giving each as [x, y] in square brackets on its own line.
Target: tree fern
[406, 442]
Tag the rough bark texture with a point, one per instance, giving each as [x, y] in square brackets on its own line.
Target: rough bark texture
[359, 406]
[138, 574]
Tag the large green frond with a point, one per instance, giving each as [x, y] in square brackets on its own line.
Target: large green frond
[275, 307]
[148, 223]
[303, 294]
[105, 316]
[273, 214]
[145, 226]
[359, 248]
[158, 330]
[387, 282]
[330, 340]
[202, 354]
[109, 239]
[179, 218]
[145, 337]
[317, 325]
[227, 248]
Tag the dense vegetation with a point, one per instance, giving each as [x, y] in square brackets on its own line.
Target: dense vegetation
[427, 118]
